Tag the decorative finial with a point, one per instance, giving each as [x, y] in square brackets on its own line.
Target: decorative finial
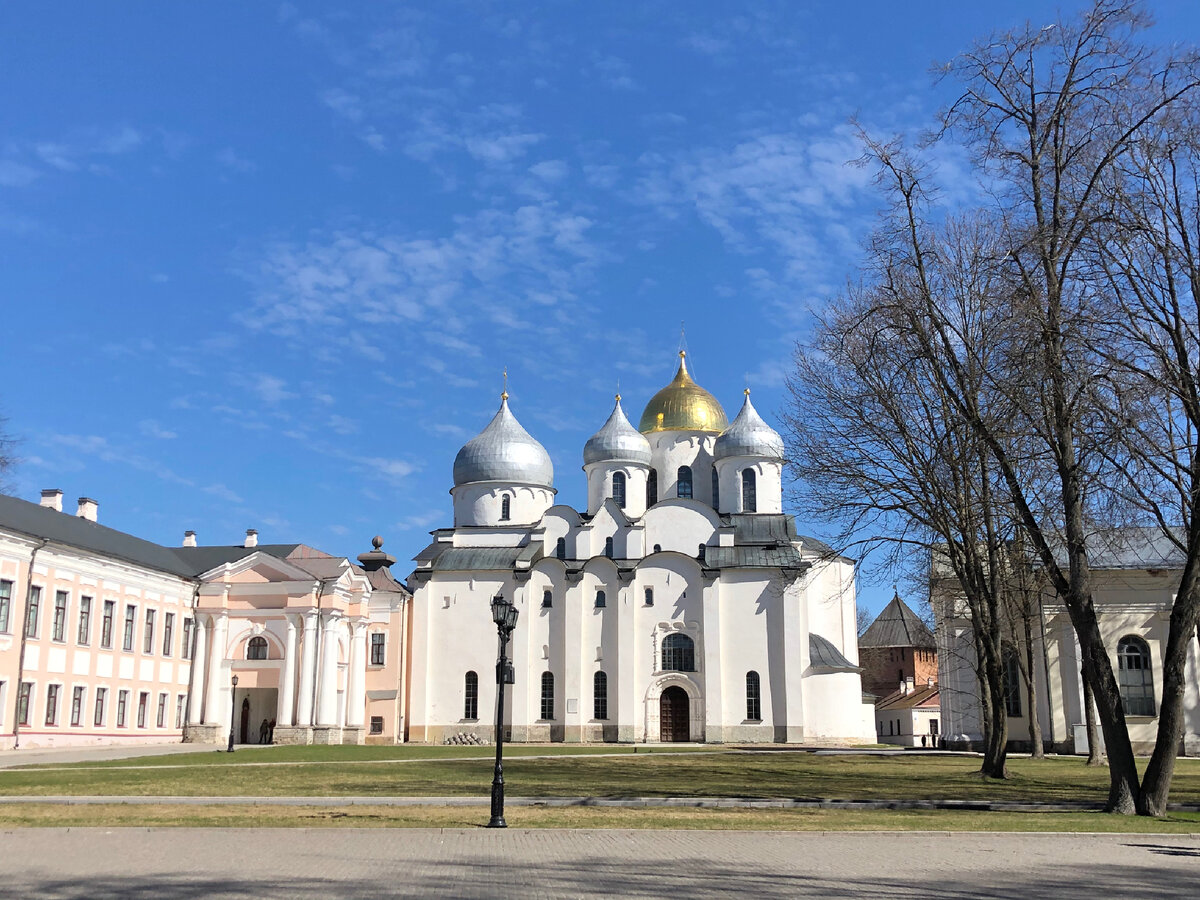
[377, 541]
[746, 392]
[504, 393]
[618, 396]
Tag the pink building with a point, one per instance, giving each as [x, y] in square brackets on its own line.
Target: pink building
[108, 638]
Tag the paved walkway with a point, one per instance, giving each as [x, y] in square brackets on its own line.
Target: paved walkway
[71, 864]
[11, 758]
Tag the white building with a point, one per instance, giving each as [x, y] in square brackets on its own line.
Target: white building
[680, 605]
[1135, 574]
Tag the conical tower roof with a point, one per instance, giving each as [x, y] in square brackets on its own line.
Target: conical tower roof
[504, 451]
[617, 441]
[749, 435]
[683, 406]
[898, 626]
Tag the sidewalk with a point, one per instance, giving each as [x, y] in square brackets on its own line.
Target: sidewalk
[11, 758]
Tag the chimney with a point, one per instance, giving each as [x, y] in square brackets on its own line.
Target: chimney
[251, 538]
[929, 681]
[909, 685]
[88, 508]
[52, 499]
[189, 539]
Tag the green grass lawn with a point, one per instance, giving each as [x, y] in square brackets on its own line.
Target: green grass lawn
[167, 815]
[427, 771]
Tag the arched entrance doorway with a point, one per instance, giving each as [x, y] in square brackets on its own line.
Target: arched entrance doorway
[674, 716]
[245, 730]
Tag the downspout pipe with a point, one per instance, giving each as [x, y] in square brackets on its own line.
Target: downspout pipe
[24, 624]
[187, 707]
[316, 688]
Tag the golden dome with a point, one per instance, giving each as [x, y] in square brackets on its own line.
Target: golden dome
[683, 406]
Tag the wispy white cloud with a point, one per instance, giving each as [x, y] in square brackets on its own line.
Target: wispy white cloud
[221, 492]
[15, 174]
[151, 428]
[231, 160]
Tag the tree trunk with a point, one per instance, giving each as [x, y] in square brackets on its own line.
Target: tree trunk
[1124, 784]
[995, 749]
[1095, 757]
[1036, 750]
[1157, 783]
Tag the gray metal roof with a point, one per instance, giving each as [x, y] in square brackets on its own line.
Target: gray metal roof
[754, 557]
[898, 626]
[762, 528]
[202, 559]
[749, 435]
[1130, 548]
[37, 521]
[617, 440]
[503, 451]
[485, 559]
[823, 654]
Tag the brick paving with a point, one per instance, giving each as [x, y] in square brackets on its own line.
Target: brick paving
[70, 864]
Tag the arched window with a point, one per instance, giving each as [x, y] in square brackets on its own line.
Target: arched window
[608, 547]
[649, 596]
[652, 488]
[471, 696]
[599, 696]
[753, 698]
[505, 508]
[547, 599]
[749, 491]
[1135, 677]
[700, 553]
[1012, 682]
[658, 548]
[560, 548]
[678, 653]
[683, 483]
[618, 492]
[601, 600]
[547, 695]
[716, 488]
[256, 648]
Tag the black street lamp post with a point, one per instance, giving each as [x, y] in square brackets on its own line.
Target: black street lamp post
[504, 614]
[232, 712]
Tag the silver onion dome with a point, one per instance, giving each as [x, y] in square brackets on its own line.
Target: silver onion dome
[749, 435]
[617, 440]
[504, 451]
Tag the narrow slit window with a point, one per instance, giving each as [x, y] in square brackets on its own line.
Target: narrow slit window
[683, 483]
[547, 696]
[652, 488]
[471, 696]
[505, 508]
[716, 490]
[753, 697]
[608, 547]
[618, 489]
[560, 548]
[601, 600]
[749, 491]
[600, 696]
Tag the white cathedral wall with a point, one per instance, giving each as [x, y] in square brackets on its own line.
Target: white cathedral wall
[672, 449]
[768, 483]
[599, 480]
[680, 525]
[480, 503]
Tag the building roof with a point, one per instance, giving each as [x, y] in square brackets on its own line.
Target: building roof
[898, 626]
[754, 557]
[504, 451]
[683, 406]
[37, 521]
[1129, 548]
[617, 440]
[822, 654]
[927, 696]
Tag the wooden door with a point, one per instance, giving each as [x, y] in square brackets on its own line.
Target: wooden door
[674, 715]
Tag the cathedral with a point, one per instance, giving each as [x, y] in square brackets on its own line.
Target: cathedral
[681, 605]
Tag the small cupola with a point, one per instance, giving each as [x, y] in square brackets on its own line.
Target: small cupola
[617, 441]
[749, 435]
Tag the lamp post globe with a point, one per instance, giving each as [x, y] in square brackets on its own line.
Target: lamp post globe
[504, 614]
[232, 711]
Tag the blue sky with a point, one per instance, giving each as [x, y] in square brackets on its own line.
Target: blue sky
[262, 265]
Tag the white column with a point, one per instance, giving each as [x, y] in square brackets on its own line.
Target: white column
[199, 672]
[327, 688]
[216, 707]
[356, 678]
[287, 687]
[308, 656]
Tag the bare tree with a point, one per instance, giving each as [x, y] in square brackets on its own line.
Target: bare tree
[881, 449]
[1148, 258]
[8, 458]
[1049, 112]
